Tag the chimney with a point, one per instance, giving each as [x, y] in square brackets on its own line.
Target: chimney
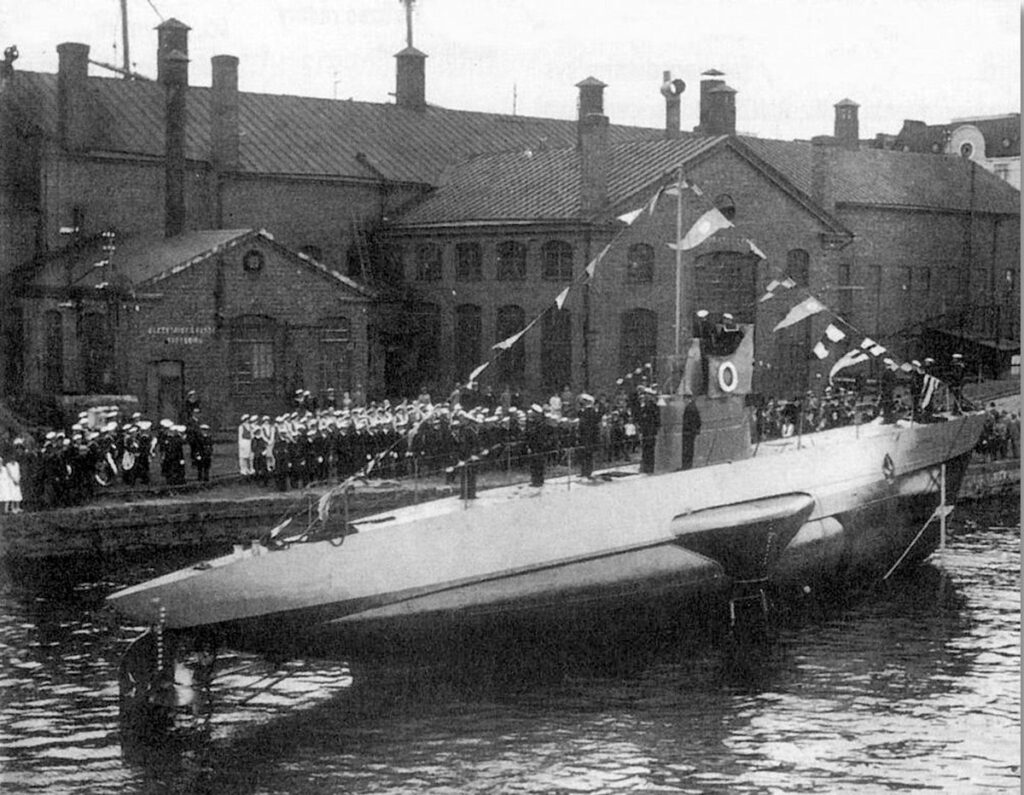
[592, 143]
[73, 95]
[224, 113]
[174, 67]
[710, 79]
[847, 128]
[170, 35]
[823, 158]
[671, 90]
[410, 79]
[721, 106]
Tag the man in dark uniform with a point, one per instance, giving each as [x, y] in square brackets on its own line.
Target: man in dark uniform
[957, 373]
[589, 430]
[648, 423]
[467, 445]
[690, 430]
[537, 438]
[201, 448]
[173, 465]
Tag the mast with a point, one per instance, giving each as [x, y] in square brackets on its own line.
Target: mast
[679, 257]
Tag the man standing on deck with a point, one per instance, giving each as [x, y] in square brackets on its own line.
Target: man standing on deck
[589, 431]
[537, 438]
[648, 423]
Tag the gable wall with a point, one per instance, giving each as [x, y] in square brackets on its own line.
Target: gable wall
[190, 320]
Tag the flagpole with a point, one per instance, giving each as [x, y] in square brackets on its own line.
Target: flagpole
[679, 255]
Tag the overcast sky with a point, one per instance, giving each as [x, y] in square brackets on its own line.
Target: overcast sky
[789, 60]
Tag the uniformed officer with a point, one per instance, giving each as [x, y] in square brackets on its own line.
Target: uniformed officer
[537, 438]
[648, 423]
[589, 433]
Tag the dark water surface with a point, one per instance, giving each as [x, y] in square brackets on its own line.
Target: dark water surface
[911, 686]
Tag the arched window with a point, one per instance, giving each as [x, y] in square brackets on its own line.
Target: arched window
[638, 340]
[511, 261]
[511, 364]
[53, 361]
[798, 266]
[557, 258]
[96, 353]
[468, 262]
[726, 281]
[468, 329]
[428, 262]
[336, 348]
[726, 206]
[640, 263]
[556, 349]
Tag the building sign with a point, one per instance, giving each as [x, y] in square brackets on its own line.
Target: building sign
[181, 335]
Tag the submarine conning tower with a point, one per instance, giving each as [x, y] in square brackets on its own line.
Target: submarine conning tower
[706, 421]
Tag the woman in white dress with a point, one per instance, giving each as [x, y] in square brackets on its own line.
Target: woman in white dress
[13, 469]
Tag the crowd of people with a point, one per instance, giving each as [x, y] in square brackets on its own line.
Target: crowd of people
[102, 447]
[329, 439]
[468, 431]
[1000, 437]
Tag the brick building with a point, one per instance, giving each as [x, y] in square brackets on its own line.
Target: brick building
[465, 225]
[231, 313]
[883, 238]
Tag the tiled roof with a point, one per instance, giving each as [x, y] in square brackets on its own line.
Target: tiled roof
[530, 186]
[150, 258]
[303, 135]
[893, 179]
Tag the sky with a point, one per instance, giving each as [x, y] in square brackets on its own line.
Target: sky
[789, 60]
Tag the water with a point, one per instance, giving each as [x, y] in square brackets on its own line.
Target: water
[910, 687]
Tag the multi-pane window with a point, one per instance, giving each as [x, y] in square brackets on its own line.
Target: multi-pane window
[253, 363]
[336, 354]
[556, 349]
[640, 263]
[428, 262]
[557, 258]
[511, 265]
[468, 262]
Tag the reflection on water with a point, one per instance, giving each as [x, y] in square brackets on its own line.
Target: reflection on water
[912, 685]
